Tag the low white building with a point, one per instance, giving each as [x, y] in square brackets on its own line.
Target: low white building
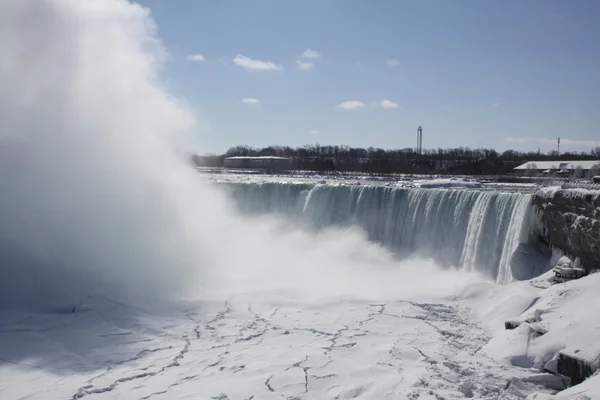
[559, 167]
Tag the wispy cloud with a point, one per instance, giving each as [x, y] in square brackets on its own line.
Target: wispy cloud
[196, 57]
[495, 105]
[388, 104]
[305, 66]
[255, 65]
[351, 105]
[250, 100]
[308, 53]
[313, 132]
[392, 63]
[563, 141]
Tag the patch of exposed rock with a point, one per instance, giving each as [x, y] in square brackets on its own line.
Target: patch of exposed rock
[571, 221]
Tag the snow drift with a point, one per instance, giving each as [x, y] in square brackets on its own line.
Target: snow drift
[551, 319]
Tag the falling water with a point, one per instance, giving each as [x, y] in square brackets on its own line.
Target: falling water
[471, 229]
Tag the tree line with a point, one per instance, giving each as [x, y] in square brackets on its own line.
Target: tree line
[460, 160]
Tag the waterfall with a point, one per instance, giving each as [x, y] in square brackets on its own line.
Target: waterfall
[476, 230]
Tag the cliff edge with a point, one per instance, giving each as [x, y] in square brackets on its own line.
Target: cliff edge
[571, 221]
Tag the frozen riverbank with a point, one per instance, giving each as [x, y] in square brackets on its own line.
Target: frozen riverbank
[552, 320]
[347, 348]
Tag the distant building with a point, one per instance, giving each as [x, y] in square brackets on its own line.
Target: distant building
[267, 163]
[566, 168]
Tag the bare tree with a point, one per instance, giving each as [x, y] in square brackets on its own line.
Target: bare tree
[460, 160]
[594, 171]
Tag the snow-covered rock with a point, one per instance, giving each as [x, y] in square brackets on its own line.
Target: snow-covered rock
[566, 269]
[571, 222]
[551, 322]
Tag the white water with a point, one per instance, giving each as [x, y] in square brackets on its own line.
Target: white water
[475, 230]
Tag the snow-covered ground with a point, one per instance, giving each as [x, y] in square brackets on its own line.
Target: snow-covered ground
[245, 349]
[248, 347]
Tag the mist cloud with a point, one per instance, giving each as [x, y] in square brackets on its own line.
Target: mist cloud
[92, 190]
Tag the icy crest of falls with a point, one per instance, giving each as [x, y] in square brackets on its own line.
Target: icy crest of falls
[471, 229]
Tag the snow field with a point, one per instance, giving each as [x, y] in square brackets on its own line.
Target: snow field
[244, 348]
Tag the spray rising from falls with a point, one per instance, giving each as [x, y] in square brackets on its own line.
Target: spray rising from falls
[472, 229]
[94, 199]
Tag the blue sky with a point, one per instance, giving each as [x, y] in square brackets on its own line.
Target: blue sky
[496, 73]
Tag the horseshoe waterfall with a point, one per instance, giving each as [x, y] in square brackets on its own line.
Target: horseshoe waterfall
[475, 230]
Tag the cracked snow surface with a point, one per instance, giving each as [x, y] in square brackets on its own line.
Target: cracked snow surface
[242, 349]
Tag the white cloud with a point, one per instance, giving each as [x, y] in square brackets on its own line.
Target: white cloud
[250, 100]
[305, 66]
[495, 105]
[563, 141]
[313, 132]
[196, 57]
[388, 104]
[308, 53]
[351, 105]
[393, 63]
[255, 65]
